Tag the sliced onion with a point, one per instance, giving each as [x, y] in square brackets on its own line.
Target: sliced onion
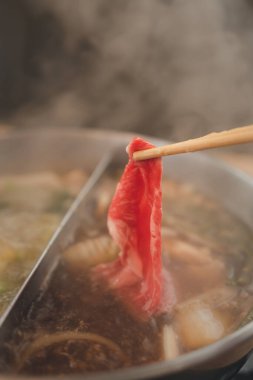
[47, 340]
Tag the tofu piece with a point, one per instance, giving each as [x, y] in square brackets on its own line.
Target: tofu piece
[197, 325]
[204, 319]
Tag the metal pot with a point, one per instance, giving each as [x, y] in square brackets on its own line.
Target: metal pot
[60, 150]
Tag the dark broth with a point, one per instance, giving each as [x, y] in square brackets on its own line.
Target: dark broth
[83, 306]
[79, 326]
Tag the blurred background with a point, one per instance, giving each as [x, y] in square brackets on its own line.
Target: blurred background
[171, 68]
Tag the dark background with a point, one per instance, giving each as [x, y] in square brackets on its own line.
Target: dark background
[172, 68]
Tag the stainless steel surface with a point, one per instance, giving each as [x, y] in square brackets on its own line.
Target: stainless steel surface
[63, 150]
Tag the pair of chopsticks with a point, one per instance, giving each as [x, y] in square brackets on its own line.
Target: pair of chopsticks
[234, 136]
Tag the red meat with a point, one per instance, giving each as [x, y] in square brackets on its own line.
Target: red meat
[134, 222]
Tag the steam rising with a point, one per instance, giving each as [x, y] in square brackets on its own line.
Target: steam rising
[171, 68]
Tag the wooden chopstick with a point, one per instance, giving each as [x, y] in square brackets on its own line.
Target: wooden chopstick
[234, 136]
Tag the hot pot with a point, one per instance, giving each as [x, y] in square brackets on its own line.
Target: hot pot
[60, 150]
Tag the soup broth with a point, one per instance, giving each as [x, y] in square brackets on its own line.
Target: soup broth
[77, 325]
[31, 207]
